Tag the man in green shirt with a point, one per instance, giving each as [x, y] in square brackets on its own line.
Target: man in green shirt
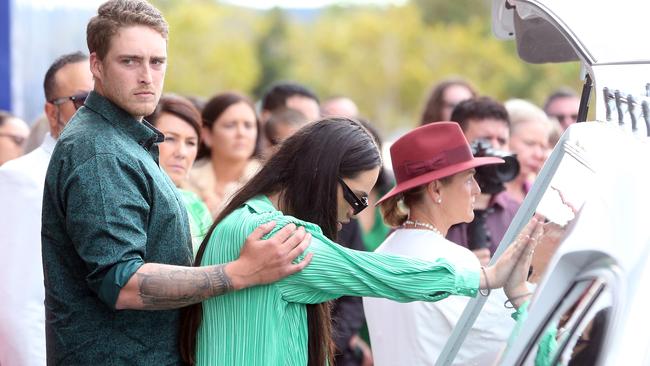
[115, 234]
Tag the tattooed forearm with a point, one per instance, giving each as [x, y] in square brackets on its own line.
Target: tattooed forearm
[170, 288]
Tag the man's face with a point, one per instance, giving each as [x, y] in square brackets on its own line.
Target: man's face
[307, 106]
[131, 74]
[494, 130]
[13, 134]
[71, 80]
[565, 110]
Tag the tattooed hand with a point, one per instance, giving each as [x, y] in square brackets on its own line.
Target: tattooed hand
[266, 261]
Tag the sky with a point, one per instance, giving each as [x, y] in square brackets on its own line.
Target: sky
[265, 4]
[258, 4]
[48, 4]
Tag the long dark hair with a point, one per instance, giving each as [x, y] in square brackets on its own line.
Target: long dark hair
[304, 171]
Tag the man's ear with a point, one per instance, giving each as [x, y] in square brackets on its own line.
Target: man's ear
[96, 67]
[51, 113]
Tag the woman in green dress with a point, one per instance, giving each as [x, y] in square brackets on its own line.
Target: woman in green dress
[180, 122]
[318, 179]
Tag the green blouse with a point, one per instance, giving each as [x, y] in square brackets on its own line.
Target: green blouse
[199, 217]
[547, 345]
[377, 234]
[267, 325]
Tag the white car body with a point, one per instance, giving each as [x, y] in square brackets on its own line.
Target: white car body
[602, 170]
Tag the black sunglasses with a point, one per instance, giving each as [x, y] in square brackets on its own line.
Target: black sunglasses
[77, 100]
[358, 204]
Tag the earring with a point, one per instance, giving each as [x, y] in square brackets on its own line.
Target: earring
[439, 200]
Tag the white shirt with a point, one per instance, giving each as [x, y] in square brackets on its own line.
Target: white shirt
[22, 295]
[415, 333]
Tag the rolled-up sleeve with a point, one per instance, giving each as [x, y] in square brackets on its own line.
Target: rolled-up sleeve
[107, 213]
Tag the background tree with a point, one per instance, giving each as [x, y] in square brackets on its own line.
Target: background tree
[212, 48]
[385, 58]
[272, 50]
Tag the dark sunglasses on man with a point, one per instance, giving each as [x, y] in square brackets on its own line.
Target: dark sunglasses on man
[77, 100]
[358, 204]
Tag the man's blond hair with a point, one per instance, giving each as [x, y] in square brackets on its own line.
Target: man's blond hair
[115, 14]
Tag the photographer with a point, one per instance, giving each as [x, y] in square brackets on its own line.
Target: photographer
[486, 126]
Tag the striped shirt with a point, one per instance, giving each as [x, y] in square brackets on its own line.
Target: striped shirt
[267, 325]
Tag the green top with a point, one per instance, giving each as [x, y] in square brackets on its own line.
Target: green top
[199, 216]
[547, 345]
[377, 234]
[107, 209]
[267, 325]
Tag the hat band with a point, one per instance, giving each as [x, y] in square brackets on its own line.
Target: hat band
[414, 168]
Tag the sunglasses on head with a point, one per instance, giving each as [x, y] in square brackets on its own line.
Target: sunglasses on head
[358, 204]
[77, 100]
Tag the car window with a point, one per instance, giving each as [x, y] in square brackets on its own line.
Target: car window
[575, 331]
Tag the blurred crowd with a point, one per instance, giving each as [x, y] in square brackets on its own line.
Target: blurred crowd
[214, 144]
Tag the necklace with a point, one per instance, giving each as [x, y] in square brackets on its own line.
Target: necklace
[424, 225]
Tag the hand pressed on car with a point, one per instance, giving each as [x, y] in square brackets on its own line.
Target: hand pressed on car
[511, 269]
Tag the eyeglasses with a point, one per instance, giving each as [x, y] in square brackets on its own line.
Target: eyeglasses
[562, 117]
[18, 140]
[78, 100]
[358, 204]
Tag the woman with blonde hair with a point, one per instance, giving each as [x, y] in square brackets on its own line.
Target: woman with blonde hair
[530, 132]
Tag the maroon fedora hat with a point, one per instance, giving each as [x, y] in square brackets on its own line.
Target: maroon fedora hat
[431, 152]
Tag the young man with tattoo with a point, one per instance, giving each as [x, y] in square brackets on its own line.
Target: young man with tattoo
[115, 234]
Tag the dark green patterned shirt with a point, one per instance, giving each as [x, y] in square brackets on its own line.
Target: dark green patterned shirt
[108, 208]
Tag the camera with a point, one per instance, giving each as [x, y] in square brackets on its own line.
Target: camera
[492, 177]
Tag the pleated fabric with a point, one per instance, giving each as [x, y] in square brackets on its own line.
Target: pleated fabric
[267, 325]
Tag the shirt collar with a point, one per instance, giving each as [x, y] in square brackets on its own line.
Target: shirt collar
[143, 132]
[261, 204]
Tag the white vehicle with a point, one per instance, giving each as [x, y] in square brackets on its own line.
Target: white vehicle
[593, 299]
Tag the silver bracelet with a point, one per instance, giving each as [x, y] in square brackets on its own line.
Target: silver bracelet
[509, 301]
[487, 284]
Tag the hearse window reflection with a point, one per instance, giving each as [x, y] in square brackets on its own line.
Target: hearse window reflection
[576, 330]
